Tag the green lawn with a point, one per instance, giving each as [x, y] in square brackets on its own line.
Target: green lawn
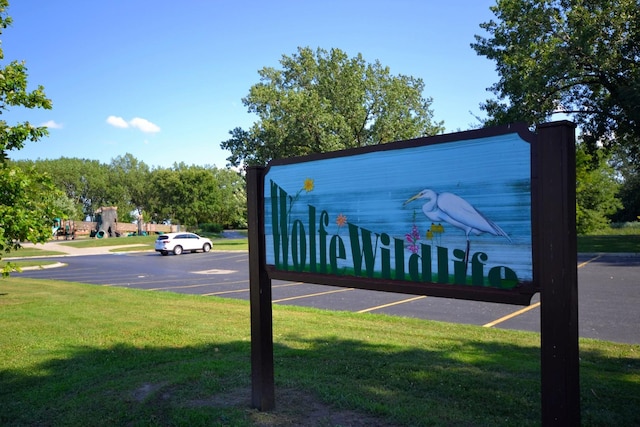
[28, 263]
[624, 240]
[74, 354]
[113, 241]
[629, 243]
[623, 237]
[147, 242]
[31, 251]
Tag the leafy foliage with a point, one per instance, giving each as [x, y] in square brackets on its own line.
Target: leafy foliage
[28, 204]
[28, 199]
[628, 169]
[324, 101]
[596, 190]
[194, 195]
[578, 57]
[181, 194]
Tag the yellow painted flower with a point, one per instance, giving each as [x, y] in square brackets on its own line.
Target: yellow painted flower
[308, 185]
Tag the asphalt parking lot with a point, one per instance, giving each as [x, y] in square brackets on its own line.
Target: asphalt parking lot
[608, 290]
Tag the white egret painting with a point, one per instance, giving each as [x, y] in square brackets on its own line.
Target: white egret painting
[449, 213]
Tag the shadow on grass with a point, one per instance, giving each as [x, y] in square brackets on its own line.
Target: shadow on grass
[473, 383]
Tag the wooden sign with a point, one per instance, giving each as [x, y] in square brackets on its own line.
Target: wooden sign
[446, 215]
[485, 215]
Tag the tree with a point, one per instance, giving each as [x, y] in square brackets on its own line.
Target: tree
[89, 183]
[230, 209]
[577, 57]
[28, 200]
[193, 195]
[596, 190]
[629, 172]
[324, 101]
[130, 179]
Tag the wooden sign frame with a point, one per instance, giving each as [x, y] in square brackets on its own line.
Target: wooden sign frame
[553, 255]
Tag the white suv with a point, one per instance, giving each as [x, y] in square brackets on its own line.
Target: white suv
[180, 242]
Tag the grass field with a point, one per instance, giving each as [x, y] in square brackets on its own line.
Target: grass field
[623, 237]
[629, 243]
[74, 354]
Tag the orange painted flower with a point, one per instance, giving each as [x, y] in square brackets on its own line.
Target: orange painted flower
[341, 220]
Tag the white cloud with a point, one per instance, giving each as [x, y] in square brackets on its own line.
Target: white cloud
[51, 124]
[144, 125]
[141, 124]
[118, 122]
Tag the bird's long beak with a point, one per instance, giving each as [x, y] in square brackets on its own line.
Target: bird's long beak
[411, 199]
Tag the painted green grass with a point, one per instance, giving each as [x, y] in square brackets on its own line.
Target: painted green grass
[74, 354]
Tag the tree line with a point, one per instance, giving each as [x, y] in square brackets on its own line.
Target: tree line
[181, 194]
[575, 58]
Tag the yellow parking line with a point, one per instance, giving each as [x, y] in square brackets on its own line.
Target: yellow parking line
[199, 285]
[391, 304]
[312, 295]
[588, 261]
[512, 315]
[532, 306]
[246, 290]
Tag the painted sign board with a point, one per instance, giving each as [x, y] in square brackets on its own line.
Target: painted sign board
[486, 215]
[448, 215]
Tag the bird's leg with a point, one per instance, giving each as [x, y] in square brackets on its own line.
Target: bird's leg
[466, 257]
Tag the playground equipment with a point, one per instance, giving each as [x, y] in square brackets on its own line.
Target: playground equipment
[63, 227]
[106, 225]
[107, 222]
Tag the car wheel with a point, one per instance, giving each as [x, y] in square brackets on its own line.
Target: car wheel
[164, 253]
[206, 247]
[177, 250]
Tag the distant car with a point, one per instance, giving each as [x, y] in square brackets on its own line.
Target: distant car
[181, 242]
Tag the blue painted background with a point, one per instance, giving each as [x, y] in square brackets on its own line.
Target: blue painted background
[493, 174]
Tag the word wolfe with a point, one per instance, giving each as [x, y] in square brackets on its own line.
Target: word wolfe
[314, 250]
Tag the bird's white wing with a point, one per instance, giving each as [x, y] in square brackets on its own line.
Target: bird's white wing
[462, 212]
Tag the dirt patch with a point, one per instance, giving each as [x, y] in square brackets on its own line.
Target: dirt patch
[293, 408]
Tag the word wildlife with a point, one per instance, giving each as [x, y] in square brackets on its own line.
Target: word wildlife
[310, 248]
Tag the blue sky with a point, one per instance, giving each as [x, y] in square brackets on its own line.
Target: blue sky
[164, 80]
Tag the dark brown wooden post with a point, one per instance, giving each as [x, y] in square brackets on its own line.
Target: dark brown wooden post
[555, 270]
[262, 378]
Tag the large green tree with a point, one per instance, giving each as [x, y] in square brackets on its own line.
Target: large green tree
[323, 101]
[192, 195]
[576, 57]
[129, 183]
[28, 200]
[89, 183]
